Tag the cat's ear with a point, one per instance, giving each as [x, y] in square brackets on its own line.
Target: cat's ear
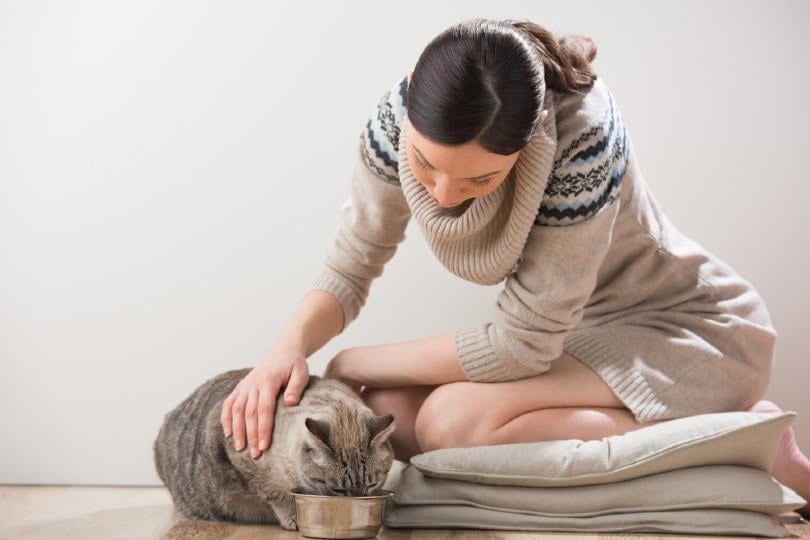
[319, 429]
[380, 428]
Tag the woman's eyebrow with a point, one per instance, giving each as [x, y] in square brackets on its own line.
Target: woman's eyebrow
[424, 160]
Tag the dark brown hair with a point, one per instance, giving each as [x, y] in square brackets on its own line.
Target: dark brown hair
[485, 81]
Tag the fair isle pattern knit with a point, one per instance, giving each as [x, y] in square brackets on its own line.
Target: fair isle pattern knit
[381, 137]
[587, 172]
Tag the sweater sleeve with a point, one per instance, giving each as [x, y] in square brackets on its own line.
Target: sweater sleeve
[374, 218]
[544, 298]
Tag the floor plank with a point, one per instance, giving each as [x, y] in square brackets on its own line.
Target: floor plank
[135, 513]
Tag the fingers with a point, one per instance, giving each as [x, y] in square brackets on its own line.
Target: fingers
[252, 422]
[238, 418]
[267, 412]
[247, 415]
[248, 412]
[295, 386]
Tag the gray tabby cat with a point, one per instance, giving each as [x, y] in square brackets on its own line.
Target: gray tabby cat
[329, 444]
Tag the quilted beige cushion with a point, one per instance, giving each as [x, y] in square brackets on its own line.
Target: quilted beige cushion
[734, 438]
[697, 475]
[700, 522]
[715, 486]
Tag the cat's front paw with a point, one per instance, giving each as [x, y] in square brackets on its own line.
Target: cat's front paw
[288, 522]
[287, 519]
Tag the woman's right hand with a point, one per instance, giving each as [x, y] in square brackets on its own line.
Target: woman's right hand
[249, 411]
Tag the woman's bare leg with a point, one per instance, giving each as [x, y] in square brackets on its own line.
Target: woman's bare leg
[570, 401]
[791, 467]
[564, 423]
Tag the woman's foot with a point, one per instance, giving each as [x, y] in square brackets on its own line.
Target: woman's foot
[791, 467]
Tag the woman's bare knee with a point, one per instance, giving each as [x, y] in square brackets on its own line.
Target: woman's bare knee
[448, 418]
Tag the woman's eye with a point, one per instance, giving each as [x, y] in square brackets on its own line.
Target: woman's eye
[482, 182]
[419, 162]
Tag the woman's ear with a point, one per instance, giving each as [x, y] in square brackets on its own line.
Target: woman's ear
[410, 74]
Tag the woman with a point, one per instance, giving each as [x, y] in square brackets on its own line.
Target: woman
[512, 156]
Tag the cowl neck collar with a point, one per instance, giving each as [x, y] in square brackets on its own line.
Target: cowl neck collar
[481, 241]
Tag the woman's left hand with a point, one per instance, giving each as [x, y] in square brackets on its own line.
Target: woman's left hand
[427, 361]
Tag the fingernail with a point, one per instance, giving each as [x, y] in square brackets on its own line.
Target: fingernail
[263, 445]
[238, 445]
[254, 453]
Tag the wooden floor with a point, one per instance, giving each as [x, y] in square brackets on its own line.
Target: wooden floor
[66, 512]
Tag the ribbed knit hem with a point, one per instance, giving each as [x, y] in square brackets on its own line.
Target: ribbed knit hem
[618, 373]
[349, 300]
[479, 360]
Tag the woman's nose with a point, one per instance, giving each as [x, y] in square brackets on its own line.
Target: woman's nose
[446, 194]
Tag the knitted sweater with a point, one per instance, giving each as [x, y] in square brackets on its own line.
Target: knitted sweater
[589, 264]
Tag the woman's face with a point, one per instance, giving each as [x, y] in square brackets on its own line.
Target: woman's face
[454, 174]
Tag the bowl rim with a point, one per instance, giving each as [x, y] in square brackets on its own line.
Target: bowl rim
[384, 494]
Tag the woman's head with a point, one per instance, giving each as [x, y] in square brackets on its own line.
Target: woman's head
[485, 81]
[480, 85]
[478, 81]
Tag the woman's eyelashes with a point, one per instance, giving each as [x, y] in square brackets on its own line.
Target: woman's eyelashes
[481, 182]
[421, 163]
[478, 182]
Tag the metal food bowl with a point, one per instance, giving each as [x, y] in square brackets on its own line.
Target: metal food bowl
[321, 516]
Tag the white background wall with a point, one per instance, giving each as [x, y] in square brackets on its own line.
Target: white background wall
[171, 172]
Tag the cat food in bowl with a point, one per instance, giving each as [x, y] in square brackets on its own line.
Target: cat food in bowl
[321, 516]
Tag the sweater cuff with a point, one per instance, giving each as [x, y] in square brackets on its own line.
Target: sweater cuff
[349, 300]
[480, 361]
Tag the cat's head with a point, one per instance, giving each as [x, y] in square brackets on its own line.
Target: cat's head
[346, 455]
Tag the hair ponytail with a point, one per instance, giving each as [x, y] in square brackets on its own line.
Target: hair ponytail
[566, 62]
